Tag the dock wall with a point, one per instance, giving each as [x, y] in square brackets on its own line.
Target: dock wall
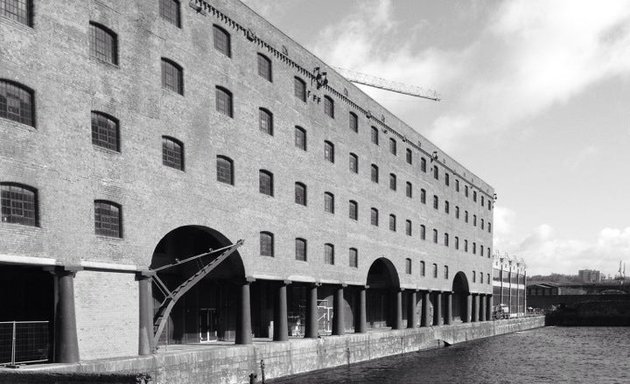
[234, 364]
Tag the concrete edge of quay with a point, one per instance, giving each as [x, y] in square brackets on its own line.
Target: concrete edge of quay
[235, 363]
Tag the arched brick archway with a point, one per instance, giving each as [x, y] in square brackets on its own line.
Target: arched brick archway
[384, 285]
[461, 292]
[208, 311]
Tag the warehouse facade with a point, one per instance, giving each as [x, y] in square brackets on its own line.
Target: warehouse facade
[140, 134]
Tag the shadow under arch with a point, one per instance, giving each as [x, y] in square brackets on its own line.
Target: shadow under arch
[383, 282]
[208, 310]
[460, 297]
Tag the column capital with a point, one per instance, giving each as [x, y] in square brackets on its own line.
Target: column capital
[287, 282]
[64, 270]
[144, 274]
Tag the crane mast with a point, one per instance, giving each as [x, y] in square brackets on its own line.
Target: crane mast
[393, 86]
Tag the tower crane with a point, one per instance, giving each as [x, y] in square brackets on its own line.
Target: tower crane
[392, 86]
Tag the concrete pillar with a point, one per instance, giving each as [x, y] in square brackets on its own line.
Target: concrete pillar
[483, 310]
[425, 320]
[411, 309]
[449, 308]
[244, 321]
[145, 335]
[66, 342]
[437, 308]
[489, 308]
[280, 325]
[339, 327]
[467, 316]
[361, 326]
[312, 325]
[397, 309]
[475, 307]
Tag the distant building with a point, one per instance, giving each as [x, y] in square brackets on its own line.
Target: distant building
[590, 276]
[508, 283]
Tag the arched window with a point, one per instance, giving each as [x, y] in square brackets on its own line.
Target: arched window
[475, 196]
[224, 101]
[169, 11]
[422, 268]
[265, 182]
[408, 227]
[105, 132]
[374, 217]
[353, 258]
[225, 170]
[222, 40]
[465, 245]
[435, 236]
[474, 279]
[374, 135]
[456, 212]
[374, 173]
[447, 207]
[456, 185]
[482, 224]
[353, 163]
[103, 43]
[353, 210]
[436, 172]
[489, 227]
[353, 122]
[435, 271]
[446, 272]
[107, 218]
[299, 88]
[16, 102]
[487, 278]
[423, 196]
[300, 137]
[447, 179]
[300, 249]
[329, 202]
[329, 151]
[18, 10]
[172, 76]
[423, 232]
[474, 248]
[19, 204]
[408, 266]
[392, 147]
[300, 193]
[266, 244]
[172, 153]
[409, 190]
[456, 242]
[329, 106]
[409, 156]
[481, 250]
[474, 220]
[392, 222]
[481, 277]
[436, 202]
[446, 239]
[329, 254]
[265, 121]
[392, 181]
[264, 67]
[465, 216]
[466, 190]
[423, 164]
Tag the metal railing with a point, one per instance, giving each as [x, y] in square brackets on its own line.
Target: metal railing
[23, 342]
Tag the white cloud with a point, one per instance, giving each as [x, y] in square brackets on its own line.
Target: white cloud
[575, 161]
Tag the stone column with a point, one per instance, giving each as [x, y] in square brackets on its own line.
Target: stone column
[280, 325]
[489, 308]
[66, 341]
[425, 320]
[437, 308]
[483, 310]
[244, 321]
[338, 315]
[467, 317]
[449, 308]
[475, 307]
[397, 309]
[312, 325]
[411, 309]
[361, 326]
[145, 290]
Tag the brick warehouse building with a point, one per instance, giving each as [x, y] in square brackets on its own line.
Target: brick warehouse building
[138, 134]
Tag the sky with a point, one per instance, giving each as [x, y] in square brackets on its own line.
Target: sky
[535, 101]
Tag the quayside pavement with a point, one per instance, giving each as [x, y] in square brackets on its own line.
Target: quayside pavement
[228, 363]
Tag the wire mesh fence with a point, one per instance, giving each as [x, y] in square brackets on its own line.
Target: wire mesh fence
[23, 342]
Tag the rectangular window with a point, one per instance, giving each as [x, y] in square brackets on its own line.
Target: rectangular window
[107, 219]
[446, 272]
[18, 10]
[265, 183]
[265, 121]
[353, 122]
[423, 196]
[300, 249]
[169, 10]
[408, 227]
[353, 208]
[392, 223]
[266, 244]
[300, 194]
[423, 165]
[172, 76]
[392, 147]
[374, 217]
[19, 204]
[409, 156]
[408, 266]
[409, 190]
[374, 135]
[435, 271]
[329, 254]
[329, 151]
[329, 202]
[422, 269]
[374, 173]
[392, 181]
[354, 163]
[264, 67]
[299, 88]
[329, 106]
[353, 258]
[300, 138]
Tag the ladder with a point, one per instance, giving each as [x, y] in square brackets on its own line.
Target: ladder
[171, 297]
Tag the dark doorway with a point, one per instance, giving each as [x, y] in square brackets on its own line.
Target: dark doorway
[460, 297]
[383, 282]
